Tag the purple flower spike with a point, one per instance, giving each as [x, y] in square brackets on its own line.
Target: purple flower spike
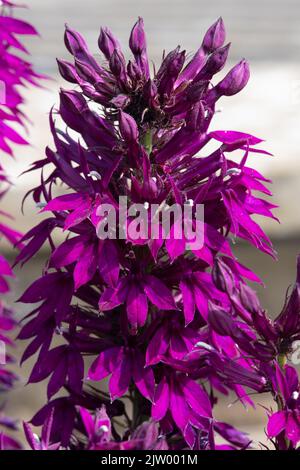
[167, 321]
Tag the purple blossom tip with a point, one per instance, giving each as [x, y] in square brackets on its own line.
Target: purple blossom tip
[235, 80]
[214, 37]
[107, 42]
[137, 40]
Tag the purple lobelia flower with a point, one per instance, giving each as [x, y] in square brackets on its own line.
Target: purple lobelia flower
[285, 423]
[168, 322]
[15, 73]
[42, 443]
[98, 430]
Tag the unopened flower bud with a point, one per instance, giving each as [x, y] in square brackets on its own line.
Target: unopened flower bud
[117, 64]
[223, 277]
[235, 80]
[67, 71]
[120, 101]
[249, 299]
[215, 63]
[196, 117]
[137, 40]
[107, 42]
[74, 42]
[128, 127]
[214, 37]
[150, 93]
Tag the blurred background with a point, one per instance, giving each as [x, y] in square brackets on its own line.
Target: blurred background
[267, 33]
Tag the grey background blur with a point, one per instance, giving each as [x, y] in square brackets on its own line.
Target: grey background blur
[267, 32]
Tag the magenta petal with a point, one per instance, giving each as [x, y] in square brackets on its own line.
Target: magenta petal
[137, 306]
[120, 379]
[179, 407]
[109, 266]
[68, 252]
[30, 437]
[75, 370]
[175, 244]
[188, 301]
[158, 293]
[65, 202]
[42, 370]
[161, 400]
[112, 297]
[276, 423]
[105, 363]
[178, 347]
[58, 378]
[157, 347]
[229, 137]
[5, 269]
[17, 26]
[201, 302]
[197, 398]
[87, 420]
[86, 266]
[143, 377]
[293, 428]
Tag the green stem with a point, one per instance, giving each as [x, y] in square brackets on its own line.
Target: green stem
[282, 360]
[135, 408]
[147, 141]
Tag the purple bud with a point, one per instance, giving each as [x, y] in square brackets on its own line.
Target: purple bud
[117, 64]
[249, 299]
[235, 80]
[67, 71]
[74, 42]
[128, 127]
[215, 63]
[120, 101]
[137, 43]
[134, 71]
[196, 117]
[137, 40]
[169, 71]
[86, 72]
[215, 36]
[196, 91]
[221, 322]
[107, 42]
[150, 93]
[223, 277]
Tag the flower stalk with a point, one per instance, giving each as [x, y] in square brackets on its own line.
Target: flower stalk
[164, 320]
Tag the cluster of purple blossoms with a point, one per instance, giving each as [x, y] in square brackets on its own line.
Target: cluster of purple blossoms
[15, 72]
[171, 327]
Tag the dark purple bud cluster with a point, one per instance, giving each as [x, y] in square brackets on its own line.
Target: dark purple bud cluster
[171, 325]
